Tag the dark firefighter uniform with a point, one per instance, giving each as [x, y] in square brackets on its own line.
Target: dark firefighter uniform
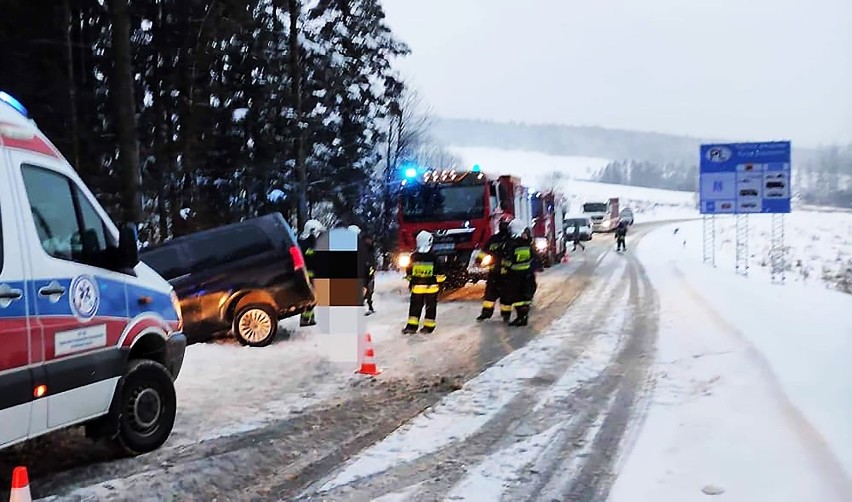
[494, 282]
[369, 271]
[425, 276]
[519, 264]
[308, 245]
[620, 234]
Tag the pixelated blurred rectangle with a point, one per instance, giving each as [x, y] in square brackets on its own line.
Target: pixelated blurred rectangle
[322, 290]
[347, 293]
[337, 265]
[342, 240]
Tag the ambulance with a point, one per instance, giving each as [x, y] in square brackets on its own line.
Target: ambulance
[89, 335]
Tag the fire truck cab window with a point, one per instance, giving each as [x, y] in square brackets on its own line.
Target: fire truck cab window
[445, 202]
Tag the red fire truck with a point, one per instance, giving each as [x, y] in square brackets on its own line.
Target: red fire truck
[547, 216]
[462, 210]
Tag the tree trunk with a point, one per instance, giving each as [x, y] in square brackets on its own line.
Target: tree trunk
[72, 86]
[125, 112]
[295, 7]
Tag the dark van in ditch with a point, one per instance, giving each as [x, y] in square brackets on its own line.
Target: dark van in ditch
[245, 276]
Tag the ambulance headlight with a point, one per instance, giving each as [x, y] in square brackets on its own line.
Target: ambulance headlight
[176, 306]
[404, 260]
[541, 243]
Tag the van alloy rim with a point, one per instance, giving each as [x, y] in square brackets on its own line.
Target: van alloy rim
[255, 325]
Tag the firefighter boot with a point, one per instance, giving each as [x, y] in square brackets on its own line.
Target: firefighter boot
[506, 313]
[487, 310]
[307, 319]
[523, 316]
[409, 329]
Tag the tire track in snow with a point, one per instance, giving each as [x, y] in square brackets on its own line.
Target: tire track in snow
[514, 417]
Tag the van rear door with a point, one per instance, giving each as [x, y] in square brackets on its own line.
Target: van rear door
[16, 345]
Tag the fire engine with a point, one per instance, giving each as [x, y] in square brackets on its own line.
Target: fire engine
[462, 210]
[547, 213]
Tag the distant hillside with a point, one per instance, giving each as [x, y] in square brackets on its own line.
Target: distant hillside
[575, 140]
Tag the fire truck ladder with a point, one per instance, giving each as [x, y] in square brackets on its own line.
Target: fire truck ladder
[742, 244]
[777, 252]
[709, 227]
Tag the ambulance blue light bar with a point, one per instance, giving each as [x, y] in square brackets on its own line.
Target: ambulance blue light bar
[14, 103]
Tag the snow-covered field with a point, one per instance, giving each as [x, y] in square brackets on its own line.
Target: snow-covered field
[818, 246]
[753, 390]
[648, 204]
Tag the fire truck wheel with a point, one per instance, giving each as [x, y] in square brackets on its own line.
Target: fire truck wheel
[147, 407]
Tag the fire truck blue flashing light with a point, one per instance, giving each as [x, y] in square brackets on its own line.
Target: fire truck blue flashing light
[411, 172]
[14, 103]
[475, 168]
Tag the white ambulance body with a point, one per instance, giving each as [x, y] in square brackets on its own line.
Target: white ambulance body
[88, 334]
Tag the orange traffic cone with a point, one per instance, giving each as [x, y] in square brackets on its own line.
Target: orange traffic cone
[20, 486]
[368, 363]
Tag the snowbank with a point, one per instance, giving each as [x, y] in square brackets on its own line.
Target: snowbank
[754, 386]
[818, 246]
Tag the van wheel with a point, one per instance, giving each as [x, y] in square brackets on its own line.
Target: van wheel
[147, 407]
[256, 325]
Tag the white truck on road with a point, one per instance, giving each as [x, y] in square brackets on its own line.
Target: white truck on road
[604, 215]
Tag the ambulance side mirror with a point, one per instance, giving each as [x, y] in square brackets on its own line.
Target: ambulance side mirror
[128, 247]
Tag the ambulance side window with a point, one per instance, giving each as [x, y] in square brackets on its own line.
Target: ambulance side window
[68, 226]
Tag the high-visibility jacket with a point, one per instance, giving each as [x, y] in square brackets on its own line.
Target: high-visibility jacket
[493, 248]
[308, 246]
[518, 256]
[425, 273]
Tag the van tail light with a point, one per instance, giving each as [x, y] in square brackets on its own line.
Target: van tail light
[298, 259]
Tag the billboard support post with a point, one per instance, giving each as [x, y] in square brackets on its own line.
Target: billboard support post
[742, 245]
[777, 252]
[709, 221]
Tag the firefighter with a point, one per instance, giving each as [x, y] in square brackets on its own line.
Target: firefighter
[620, 234]
[308, 242]
[425, 276]
[519, 269]
[368, 266]
[490, 257]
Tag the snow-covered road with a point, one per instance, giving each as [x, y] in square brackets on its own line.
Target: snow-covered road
[288, 405]
[545, 423]
[643, 376]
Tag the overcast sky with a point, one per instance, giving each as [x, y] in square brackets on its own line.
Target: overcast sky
[731, 69]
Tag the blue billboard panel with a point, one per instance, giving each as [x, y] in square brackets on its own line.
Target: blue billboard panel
[742, 178]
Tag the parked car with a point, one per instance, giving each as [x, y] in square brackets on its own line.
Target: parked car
[88, 334]
[627, 215]
[244, 277]
[585, 224]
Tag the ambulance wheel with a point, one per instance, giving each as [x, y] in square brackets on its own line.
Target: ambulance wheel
[147, 407]
[256, 325]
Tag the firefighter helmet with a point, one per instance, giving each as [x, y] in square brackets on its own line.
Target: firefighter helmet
[516, 228]
[312, 227]
[424, 241]
[503, 225]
